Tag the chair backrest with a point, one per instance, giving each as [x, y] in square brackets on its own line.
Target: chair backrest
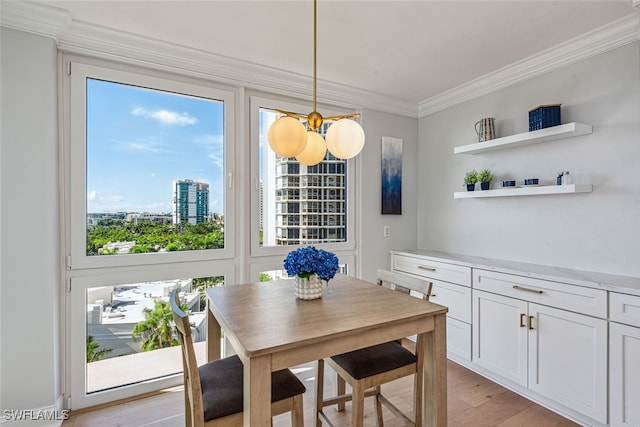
[194, 408]
[404, 283]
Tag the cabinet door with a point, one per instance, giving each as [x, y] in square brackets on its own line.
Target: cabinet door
[458, 339]
[625, 375]
[568, 359]
[500, 335]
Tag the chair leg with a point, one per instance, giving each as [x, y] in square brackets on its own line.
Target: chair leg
[188, 422]
[418, 388]
[297, 414]
[319, 396]
[378, 403]
[341, 388]
[357, 405]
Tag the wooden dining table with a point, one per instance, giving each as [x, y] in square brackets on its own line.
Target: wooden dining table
[270, 329]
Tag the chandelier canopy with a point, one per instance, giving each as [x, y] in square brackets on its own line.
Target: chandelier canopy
[288, 136]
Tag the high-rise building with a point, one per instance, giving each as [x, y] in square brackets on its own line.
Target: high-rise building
[310, 202]
[190, 201]
[301, 204]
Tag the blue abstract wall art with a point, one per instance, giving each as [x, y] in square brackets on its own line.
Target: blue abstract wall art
[391, 176]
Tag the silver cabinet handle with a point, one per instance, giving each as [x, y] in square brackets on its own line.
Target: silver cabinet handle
[424, 267]
[522, 288]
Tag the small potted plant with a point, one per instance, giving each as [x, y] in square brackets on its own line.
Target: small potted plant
[470, 180]
[485, 177]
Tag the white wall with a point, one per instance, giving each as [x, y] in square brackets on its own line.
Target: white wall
[29, 224]
[374, 246]
[598, 231]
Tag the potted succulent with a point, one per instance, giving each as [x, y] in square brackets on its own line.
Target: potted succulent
[485, 177]
[470, 180]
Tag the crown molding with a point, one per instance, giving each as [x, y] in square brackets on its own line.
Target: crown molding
[81, 38]
[91, 40]
[34, 18]
[600, 40]
[98, 41]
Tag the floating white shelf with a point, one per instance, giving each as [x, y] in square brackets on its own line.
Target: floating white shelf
[543, 135]
[525, 191]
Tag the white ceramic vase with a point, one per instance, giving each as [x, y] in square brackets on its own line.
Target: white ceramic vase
[308, 289]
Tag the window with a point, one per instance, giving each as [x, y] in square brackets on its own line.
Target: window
[150, 204]
[293, 198]
[126, 330]
[149, 207]
[148, 169]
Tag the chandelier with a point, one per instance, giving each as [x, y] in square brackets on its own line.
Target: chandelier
[288, 136]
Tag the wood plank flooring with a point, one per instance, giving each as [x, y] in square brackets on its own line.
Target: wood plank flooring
[473, 401]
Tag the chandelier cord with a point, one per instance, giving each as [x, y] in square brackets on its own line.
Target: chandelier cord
[315, 52]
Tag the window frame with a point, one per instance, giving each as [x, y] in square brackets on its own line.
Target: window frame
[256, 250]
[76, 183]
[76, 362]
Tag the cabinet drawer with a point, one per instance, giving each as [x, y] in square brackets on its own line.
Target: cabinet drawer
[457, 298]
[624, 308]
[554, 294]
[432, 269]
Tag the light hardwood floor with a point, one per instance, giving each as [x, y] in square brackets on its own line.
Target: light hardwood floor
[473, 401]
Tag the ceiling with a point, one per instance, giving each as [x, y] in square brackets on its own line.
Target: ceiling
[406, 50]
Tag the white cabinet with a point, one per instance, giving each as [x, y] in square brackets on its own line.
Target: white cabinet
[555, 353]
[624, 360]
[500, 335]
[568, 359]
[451, 288]
[567, 339]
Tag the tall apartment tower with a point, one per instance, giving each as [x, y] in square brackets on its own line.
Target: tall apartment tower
[310, 202]
[190, 201]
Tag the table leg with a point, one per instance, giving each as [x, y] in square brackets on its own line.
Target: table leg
[214, 335]
[434, 349]
[257, 391]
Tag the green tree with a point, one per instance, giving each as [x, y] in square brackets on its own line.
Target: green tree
[151, 236]
[157, 330]
[264, 277]
[94, 352]
[199, 285]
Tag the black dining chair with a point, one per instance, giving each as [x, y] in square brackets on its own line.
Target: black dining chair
[365, 370]
[213, 392]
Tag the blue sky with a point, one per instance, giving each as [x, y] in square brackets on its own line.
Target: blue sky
[140, 140]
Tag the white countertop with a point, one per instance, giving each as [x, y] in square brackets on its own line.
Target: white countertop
[591, 279]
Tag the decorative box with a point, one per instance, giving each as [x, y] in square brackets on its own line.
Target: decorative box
[544, 116]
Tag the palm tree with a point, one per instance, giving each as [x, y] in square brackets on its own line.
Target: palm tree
[93, 354]
[157, 330]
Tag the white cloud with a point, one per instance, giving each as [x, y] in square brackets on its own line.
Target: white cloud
[166, 117]
[147, 146]
[215, 151]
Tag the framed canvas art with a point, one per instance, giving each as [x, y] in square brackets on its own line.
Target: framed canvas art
[391, 176]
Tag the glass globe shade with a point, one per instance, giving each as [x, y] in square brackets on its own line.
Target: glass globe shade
[345, 138]
[287, 136]
[315, 150]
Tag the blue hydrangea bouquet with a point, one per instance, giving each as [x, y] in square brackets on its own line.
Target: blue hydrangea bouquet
[305, 262]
